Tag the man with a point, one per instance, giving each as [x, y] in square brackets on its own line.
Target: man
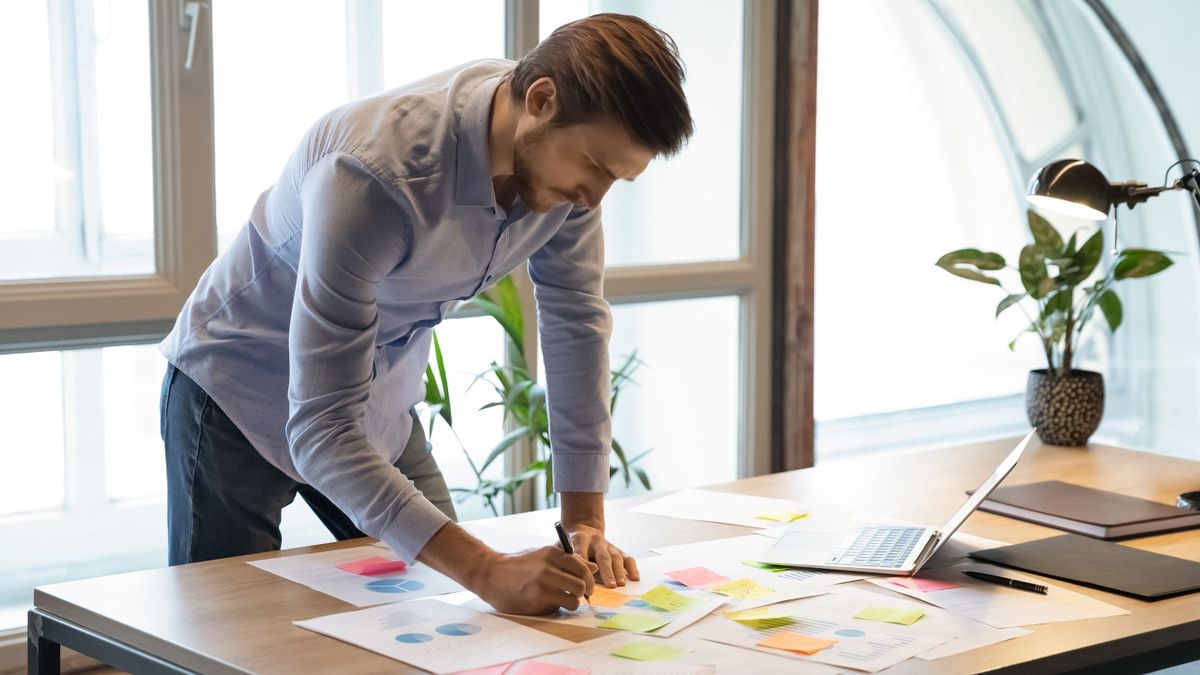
[297, 360]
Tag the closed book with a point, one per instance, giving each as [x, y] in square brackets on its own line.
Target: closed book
[1088, 511]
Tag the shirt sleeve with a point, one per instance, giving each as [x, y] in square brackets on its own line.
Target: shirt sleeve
[575, 324]
[352, 237]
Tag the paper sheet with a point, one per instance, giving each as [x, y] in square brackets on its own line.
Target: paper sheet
[637, 615]
[728, 557]
[319, 571]
[718, 507]
[1001, 606]
[701, 657]
[436, 636]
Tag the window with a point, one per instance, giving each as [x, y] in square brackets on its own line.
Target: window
[124, 188]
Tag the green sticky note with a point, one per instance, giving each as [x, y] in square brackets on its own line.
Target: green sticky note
[743, 589]
[649, 651]
[766, 566]
[665, 598]
[904, 617]
[636, 623]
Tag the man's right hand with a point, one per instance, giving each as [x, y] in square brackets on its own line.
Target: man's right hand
[533, 582]
[536, 582]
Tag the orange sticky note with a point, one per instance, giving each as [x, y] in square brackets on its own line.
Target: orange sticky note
[374, 566]
[602, 597]
[795, 642]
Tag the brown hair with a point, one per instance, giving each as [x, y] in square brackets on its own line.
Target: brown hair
[613, 67]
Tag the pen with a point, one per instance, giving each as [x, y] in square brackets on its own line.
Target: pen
[1005, 581]
[566, 544]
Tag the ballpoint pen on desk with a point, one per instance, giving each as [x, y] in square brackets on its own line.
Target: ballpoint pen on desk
[566, 544]
[1005, 581]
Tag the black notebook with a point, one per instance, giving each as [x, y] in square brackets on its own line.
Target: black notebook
[1101, 564]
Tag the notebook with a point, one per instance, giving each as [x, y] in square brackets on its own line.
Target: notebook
[1102, 564]
[1084, 510]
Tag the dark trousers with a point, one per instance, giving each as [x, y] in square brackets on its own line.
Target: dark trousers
[224, 499]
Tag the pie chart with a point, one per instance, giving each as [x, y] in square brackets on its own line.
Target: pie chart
[413, 638]
[395, 585]
[458, 629]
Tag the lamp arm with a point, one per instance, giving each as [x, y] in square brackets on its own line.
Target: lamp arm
[1191, 182]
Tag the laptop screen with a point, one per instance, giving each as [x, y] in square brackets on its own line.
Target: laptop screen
[984, 490]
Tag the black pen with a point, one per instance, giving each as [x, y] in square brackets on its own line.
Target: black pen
[1005, 581]
[566, 544]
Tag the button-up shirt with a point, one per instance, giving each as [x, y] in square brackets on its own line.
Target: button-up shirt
[312, 331]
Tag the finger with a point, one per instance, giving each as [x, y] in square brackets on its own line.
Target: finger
[561, 584]
[604, 560]
[618, 564]
[575, 566]
[631, 568]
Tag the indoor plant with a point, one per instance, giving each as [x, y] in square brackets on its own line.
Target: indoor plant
[524, 402]
[1064, 283]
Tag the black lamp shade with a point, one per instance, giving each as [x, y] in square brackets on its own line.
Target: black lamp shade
[1072, 187]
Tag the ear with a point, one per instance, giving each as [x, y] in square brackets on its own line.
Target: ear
[541, 98]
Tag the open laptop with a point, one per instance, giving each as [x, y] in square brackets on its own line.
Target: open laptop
[885, 548]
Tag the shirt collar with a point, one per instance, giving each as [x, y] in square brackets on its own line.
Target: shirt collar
[473, 172]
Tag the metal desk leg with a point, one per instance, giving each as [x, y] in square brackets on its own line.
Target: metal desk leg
[42, 653]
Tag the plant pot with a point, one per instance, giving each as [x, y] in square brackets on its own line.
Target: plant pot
[1066, 409]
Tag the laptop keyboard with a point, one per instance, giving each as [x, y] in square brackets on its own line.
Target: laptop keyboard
[878, 546]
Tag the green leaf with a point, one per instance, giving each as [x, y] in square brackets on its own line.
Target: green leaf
[1087, 257]
[503, 303]
[1110, 305]
[1139, 262]
[1069, 250]
[620, 453]
[1044, 234]
[1032, 264]
[441, 364]
[968, 262]
[1060, 303]
[1009, 302]
[642, 477]
[510, 439]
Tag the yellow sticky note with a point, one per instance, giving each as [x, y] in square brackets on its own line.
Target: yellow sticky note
[602, 597]
[742, 589]
[904, 617]
[758, 614]
[665, 598]
[795, 642]
[637, 623]
[781, 516]
[649, 651]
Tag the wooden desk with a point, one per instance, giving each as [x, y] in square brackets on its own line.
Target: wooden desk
[226, 616]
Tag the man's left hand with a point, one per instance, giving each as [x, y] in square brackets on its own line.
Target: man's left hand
[583, 518]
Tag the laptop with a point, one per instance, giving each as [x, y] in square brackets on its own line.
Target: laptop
[890, 548]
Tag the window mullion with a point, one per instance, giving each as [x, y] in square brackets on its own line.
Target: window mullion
[68, 207]
[83, 430]
[88, 125]
[364, 47]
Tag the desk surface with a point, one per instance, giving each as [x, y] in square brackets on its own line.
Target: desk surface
[227, 616]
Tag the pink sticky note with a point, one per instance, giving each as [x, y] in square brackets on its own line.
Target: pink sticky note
[374, 566]
[539, 668]
[490, 670]
[697, 577]
[924, 585]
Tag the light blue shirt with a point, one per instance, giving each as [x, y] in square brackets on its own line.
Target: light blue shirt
[312, 331]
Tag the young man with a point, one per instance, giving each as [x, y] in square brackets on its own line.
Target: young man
[297, 360]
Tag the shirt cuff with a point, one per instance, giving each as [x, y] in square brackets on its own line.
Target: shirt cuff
[413, 527]
[581, 472]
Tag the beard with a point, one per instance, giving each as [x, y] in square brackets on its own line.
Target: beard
[525, 152]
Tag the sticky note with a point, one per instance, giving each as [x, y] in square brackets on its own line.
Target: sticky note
[924, 585]
[904, 617]
[766, 566]
[489, 670]
[637, 623]
[758, 614]
[374, 566]
[697, 577]
[649, 651]
[781, 516]
[795, 642]
[603, 597]
[743, 589]
[665, 598]
[542, 668]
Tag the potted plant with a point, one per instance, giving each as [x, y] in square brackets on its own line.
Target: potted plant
[1063, 285]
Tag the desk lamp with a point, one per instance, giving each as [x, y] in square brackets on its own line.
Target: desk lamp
[1075, 188]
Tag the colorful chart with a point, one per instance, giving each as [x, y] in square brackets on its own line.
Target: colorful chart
[458, 629]
[413, 638]
[850, 632]
[394, 585]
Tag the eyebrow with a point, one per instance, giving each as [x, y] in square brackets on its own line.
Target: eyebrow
[605, 169]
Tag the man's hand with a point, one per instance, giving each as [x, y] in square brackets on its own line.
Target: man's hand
[536, 582]
[583, 518]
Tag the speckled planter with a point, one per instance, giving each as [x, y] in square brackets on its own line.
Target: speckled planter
[1065, 409]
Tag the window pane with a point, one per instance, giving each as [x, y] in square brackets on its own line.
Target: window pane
[31, 440]
[415, 36]
[133, 447]
[658, 218]
[894, 332]
[683, 404]
[77, 182]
